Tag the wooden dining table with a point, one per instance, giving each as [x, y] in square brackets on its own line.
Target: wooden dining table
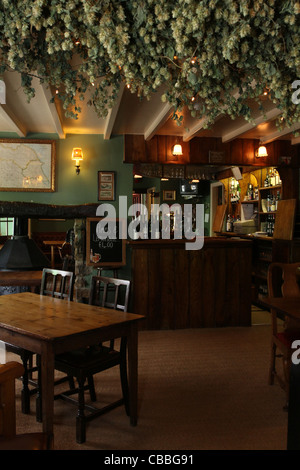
[48, 326]
[290, 307]
[30, 279]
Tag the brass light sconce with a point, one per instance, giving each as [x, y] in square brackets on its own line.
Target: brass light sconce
[77, 155]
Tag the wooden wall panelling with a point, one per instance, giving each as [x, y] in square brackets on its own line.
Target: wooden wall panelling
[161, 149]
[192, 289]
[270, 160]
[249, 147]
[167, 290]
[154, 290]
[196, 292]
[223, 147]
[134, 148]
[182, 280]
[209, 288]
[236, 151]
[244, 279]
[140, 272]
[233, 285]
[151, 150]
[199, 149]
[284, 148]
[220, 289]
[290, 182]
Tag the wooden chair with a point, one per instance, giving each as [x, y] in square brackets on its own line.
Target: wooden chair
[84, 363]
[54, 283]
[9, 440]
[58, 283]
[283, 281]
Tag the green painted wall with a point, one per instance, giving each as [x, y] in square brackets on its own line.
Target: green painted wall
[99, 154]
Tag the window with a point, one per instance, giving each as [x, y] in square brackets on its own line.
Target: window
[6, 226]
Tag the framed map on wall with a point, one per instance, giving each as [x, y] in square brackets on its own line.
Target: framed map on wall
[27, 165]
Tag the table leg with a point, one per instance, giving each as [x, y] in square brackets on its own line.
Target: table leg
[47, 371]
[132, 342]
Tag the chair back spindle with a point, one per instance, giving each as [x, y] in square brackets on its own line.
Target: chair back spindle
[57, 283]
[110, 293]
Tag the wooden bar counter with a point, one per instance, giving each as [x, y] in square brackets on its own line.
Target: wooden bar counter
[206, 288]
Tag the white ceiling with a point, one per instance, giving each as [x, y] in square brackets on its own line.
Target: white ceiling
[129, 116]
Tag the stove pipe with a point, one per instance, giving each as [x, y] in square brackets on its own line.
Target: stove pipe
[21, 252]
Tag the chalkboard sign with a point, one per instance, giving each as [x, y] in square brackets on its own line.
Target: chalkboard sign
[104, 252]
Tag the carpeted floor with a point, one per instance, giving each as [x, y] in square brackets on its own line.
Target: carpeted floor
[203, 389]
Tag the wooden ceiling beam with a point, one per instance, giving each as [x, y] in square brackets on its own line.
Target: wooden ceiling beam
[112, 114]
[239, 130]
[194, 130]
[191, 133]
[278, 134]
[295, 140]
[158, 120]
[47, 95]
[12, 121]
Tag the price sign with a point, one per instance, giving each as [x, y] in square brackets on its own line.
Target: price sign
[104, 251]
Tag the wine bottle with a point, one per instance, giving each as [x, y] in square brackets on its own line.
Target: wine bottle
[266, 182]
[273, 204]
[277, 199]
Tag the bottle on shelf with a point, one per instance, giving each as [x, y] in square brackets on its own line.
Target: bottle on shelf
[235, 190]
[266, 182]
[272, 177]
[250, 192]
[270, 225]
[229, 224]
[277, 199]
[273, 203]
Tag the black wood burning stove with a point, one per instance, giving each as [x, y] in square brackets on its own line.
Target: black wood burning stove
[20, 253]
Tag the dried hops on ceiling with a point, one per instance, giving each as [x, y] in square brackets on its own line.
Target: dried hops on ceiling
[213, 56]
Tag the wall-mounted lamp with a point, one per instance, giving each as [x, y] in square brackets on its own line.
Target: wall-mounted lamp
[77, 155]
[177, 150]
[261, 151]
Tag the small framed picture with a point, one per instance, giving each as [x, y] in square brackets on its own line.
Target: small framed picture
[106, 185]
[169, 195]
